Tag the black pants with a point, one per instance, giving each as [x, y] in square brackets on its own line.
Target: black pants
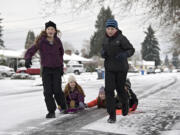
[115, 80]
[51, 78]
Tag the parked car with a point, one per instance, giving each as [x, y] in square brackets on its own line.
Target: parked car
[75, 67]
[31, 71]
[150, 70]
[6, 71]
[1, 77]
[178, 69]
[133, 70]
[166, 70]
[157, 70]
[34, 70]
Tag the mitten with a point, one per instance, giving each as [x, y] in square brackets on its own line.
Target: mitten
[134, 107]
[86, 106]
[28, 63]
[103, 54]
[81, 105]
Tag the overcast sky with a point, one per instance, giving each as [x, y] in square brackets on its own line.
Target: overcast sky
[20, 16]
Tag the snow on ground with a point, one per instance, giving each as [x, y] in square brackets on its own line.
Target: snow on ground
[152, 112]
[8, 86]
[20, 103]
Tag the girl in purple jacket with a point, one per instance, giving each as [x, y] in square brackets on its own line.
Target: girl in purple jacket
[74, 95]
[51, 54]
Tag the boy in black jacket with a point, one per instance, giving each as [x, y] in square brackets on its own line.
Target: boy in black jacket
[116, 49]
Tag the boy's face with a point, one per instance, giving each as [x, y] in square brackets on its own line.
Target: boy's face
[111, 31]
[50, 31]
[72, 84]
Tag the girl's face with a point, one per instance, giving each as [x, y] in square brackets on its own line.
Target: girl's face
[102, 96]
[111, 31]
[72, 85]
[50, 31]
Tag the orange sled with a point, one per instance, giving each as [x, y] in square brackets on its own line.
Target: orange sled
[119, 111]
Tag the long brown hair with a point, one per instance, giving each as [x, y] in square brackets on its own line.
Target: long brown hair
[68, 88]
[44, 34]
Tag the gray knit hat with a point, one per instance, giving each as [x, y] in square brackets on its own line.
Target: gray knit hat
[71, 79]
[128, 83]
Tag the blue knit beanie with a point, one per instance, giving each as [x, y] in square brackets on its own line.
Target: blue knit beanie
[111, 23]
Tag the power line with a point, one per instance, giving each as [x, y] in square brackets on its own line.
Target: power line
[61, 23]
[64, 31]
[33, 18]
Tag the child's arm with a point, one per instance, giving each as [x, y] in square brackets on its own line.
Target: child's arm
[127, 46]
[92, 103]
[134, 97]
[30, 52]
[80, 97]
[134, 100]
[61, 58]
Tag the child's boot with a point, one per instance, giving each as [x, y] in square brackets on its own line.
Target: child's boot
[51, 115]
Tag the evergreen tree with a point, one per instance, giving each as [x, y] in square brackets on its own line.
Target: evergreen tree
[98, 36]
[175, 59]
[1, 41]
[166, 61]
[150, 49]
[29, 39]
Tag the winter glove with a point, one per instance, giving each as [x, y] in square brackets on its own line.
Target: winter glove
[103, 54]
[81, 105]
[122, 56]
[85, 105]
[134, 107]
[28, 63]
[72, 104]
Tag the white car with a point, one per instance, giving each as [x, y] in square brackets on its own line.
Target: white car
[157, 70]
[6, 71]
[166, 70]
[74, 67]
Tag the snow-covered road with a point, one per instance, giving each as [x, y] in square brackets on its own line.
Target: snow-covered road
[23, 110]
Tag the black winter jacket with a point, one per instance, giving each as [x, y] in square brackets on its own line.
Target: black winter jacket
[112, 48]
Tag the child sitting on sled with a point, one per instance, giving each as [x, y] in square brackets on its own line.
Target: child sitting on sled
[100, 101]
[74, 96]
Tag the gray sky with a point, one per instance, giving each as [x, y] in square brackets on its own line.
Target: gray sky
[20, 16]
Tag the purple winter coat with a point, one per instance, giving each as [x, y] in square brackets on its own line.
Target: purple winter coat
[76, 96]
[51, 54]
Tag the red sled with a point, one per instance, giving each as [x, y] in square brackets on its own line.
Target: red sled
[119, 111]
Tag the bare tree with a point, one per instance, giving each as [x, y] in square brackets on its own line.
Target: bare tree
[68, 46]
[86, 48]
[167, 11]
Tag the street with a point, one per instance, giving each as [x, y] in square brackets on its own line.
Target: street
[158, 111]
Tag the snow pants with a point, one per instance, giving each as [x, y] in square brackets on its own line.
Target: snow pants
[51, 78]
[115, 80]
